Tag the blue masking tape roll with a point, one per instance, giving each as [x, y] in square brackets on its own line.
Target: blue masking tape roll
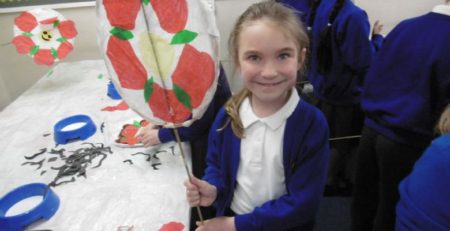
[82, 133]
[44, 210]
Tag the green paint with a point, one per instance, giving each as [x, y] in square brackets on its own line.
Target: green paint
[34, 50]
[28, 34]
[56, 24]
[61, 40]
[182, 96]
[183, 37]
[136, 124]
[100, 76]
[148, 89]
[54, 53]
[50, 73]
[121, 33]
[146, 2]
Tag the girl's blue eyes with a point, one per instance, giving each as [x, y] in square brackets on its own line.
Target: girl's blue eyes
[284, 55]
[256, 58]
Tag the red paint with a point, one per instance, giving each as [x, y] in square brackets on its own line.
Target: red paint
[194, 74]
[172, 14]
[122, 13]
[172, 226]
[26, 22]
[67, 29]
[44, 56]
[166, 106]
[49, 21]
[64, 49]
[129, 70]
[122, 106]
[23, 44]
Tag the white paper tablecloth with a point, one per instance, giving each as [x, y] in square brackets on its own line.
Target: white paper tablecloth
[115, 194]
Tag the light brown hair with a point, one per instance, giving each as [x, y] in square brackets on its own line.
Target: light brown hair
[288, 22]
[443, 125]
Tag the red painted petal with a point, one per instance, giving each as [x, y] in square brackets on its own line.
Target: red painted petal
[194, 73]
[172, 14]
[49, 21]
[23, 44]
[67, 29]
[64, 49]
[166, 106]
[26, 22]
[172, 226]
[122, 14]
[44, 56]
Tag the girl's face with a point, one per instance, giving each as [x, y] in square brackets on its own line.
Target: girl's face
[268, 62]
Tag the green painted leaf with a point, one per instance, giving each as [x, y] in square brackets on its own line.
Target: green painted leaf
[100, 76]
[56, 24]
[148, 89]
[183, 37]
[34, 50]
[28, 34]
[61, 40]
[54, 53]
[123, 138]
[182, 96]
[146, 2]
[50, 73]
[136, 124]
[121, 33]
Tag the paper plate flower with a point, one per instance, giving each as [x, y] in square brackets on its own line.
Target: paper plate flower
[44, 34]
[162, 56]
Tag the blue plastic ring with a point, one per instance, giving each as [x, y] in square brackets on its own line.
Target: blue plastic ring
[44, 210]
[82, 133]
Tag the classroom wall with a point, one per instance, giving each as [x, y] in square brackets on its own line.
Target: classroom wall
[18, 72]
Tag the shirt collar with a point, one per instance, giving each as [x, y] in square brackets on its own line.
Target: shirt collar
[274, 121]
[442, 9]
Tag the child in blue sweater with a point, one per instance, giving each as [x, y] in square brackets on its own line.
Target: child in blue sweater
[268, 149]
[405, 91]
[341, 54]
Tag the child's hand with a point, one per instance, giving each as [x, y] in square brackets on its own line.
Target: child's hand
[148, 135]
[217, 224]
[377, 28]
[200, 192]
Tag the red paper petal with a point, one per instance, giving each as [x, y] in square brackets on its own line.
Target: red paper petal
[23, 44]
[194, 74]
[172, 226]
[64, 49]
[26, 22]
[44, 56]
[67, 29]
[122, 106]
[172, 14]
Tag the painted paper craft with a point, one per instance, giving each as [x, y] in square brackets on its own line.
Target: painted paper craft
[172, 226]
[128, 135]
[44, 34]
[162, 56]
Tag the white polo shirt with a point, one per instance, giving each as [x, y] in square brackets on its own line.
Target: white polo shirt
[260, 175]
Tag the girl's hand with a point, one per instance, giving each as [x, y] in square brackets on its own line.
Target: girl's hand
[200, 192]
[148, 135]
[217, 224]
[377, 28]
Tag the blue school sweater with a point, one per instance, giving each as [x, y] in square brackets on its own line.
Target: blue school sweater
[352, 54]
[424, 194]
[305, 159]
[408, 84]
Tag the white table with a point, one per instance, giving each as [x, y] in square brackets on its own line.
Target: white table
[115, 194]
